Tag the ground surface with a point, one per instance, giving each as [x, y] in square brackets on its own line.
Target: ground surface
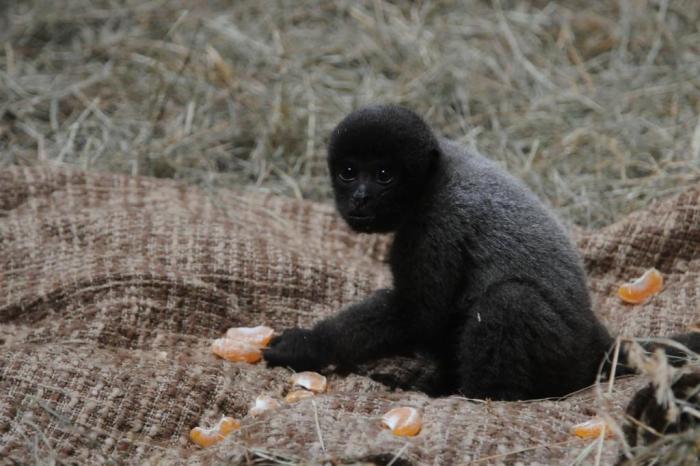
[594, 104]
[113, 288]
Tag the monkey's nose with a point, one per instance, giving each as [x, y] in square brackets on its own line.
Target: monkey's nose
[359, 200]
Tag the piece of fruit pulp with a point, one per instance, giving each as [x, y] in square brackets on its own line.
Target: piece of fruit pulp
[591, 428]
[259, 335]
[298, 395]
[236, 351]
[310, 381]
[404, 421]
[207, 437]
[643, 288]
[263, 403]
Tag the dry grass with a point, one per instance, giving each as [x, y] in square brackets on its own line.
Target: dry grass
[594, 104]
[670, 405]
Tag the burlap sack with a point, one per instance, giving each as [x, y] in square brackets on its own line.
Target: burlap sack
[112, 288]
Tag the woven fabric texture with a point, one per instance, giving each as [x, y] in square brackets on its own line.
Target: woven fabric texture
[112, 288]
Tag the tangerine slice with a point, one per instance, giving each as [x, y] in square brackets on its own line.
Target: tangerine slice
[298, 395]
[227, 425]
[404, 421]
[236, 351]
[208, 437]
[259, 335]
[310, 381]
[591, 428]
[642, 288]
[263, 403]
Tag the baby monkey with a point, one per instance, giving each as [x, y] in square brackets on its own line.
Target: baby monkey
[485, 279]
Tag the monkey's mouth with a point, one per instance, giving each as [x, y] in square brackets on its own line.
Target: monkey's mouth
[360, 222]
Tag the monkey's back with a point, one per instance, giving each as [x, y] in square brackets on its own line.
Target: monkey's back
[505, 234]
[505, 229]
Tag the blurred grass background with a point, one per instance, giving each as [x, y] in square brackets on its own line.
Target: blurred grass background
[594, 104]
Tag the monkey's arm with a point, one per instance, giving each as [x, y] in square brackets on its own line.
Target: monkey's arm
[370, 329]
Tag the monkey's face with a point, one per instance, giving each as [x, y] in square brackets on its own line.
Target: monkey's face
[368, 194]
[380, 159]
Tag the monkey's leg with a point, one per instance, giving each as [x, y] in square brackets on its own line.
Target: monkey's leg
[423, 373]
[514, 345]
[370, 329]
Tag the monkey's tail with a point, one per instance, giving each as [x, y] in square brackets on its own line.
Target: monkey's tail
[680, 350]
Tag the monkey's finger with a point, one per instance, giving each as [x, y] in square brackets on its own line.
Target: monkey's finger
[285, 335]
[274, 358]
[274, 341]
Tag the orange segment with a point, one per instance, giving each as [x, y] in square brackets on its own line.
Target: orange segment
[263, 403]
[259, 335]
[298, 395]
[237, 351]
[591, 428]
[642, 288]
[310, 381]
[205, 437]
[403, 421]
[208, 437]
[227, 425]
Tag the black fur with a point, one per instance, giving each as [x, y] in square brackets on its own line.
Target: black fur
[486, 280]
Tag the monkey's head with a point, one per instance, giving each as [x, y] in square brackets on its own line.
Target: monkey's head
[380, 159]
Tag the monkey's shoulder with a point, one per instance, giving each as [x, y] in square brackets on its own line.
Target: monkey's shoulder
[493, 215]
[477, 188]
[471, 177]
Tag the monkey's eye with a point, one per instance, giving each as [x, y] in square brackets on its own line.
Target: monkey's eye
[384, 176]
[347, 174]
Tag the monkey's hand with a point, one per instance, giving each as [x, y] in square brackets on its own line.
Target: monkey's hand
[296, 348]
